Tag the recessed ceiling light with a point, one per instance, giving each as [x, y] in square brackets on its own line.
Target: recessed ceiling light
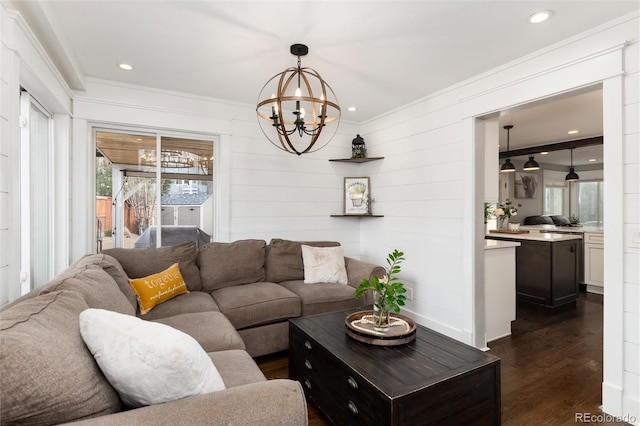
[572, 132]
[538, 17]
[544, 153]
[352, 108]
[592, 160]
[125, 67]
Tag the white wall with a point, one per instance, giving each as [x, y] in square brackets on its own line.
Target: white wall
[429, 190]
[9, 157]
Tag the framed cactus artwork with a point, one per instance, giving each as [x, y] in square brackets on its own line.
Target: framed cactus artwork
[357, 196]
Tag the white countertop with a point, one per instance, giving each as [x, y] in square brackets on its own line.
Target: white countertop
[498, 244]
[564, 229]
[536, 236]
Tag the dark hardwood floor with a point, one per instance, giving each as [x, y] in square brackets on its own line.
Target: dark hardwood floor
[551, 367]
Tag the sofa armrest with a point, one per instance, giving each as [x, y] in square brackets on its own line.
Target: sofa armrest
[272, 402]
[358, 269]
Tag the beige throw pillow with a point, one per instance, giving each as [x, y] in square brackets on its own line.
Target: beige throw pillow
[324, 265]
[147, 362]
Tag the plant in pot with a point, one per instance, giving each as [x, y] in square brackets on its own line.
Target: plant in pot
[388, 291]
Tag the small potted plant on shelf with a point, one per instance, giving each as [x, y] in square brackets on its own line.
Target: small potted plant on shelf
[388, 291]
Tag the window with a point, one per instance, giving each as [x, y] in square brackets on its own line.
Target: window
[587, 202]
[554, 200]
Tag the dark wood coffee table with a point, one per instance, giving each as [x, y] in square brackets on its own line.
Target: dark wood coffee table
[432, 380]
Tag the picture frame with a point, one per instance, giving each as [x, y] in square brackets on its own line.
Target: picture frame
[356, 196]
[525, 185]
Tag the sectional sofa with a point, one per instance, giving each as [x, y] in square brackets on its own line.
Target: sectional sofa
[238, 299]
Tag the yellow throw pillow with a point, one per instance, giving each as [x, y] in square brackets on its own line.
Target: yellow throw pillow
[158, 288]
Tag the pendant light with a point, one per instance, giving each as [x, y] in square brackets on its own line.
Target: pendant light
[531, 164]
[297, 110]
[572, 175]
[508, 167]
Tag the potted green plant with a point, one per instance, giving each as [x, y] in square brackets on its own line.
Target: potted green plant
[488, 212]
[388, 291]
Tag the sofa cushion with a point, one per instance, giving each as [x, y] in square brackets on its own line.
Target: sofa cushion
[148, 363]
[212, 330]
[237, 368]
[324, 265]
[96, 286]
[112, 267]
[253, 304]
[321, 298]
[229, 264]
[47, 374]
[538, 220]
[187, 303]
[560, 220]
[140, 262]
[284, 259]
[158, 288]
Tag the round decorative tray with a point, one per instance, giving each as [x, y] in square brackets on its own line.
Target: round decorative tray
[360, 327]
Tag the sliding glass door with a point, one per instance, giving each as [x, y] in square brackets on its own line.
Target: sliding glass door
[152, 190]
[36, 192]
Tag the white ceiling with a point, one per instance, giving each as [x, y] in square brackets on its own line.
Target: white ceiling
[376, 55]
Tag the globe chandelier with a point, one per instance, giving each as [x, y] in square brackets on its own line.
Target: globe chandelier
[297, 110]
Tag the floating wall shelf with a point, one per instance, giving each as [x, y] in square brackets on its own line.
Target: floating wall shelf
[357, 160]
[357, 215]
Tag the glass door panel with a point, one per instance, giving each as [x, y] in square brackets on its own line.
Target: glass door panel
[143, 194]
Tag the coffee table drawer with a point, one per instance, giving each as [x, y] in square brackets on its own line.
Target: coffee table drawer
[344, 396]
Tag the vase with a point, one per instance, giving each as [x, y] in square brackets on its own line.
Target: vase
[503, 222]
[381, 315]
[381, 320]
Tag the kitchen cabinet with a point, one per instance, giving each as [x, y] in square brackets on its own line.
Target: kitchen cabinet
[547, 269]
[594, 262]
[499, 288]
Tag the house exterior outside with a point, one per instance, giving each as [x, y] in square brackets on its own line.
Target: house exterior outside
[433, 156]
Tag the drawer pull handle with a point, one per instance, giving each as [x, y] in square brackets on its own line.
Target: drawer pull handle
[307, 383]
[352, 408]
[352, 383]
[307, 344]
[307, 364]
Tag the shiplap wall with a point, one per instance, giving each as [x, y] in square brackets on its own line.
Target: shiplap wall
[5, 156]
[9, 165]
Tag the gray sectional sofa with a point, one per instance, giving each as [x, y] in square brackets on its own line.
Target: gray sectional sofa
[241, 296]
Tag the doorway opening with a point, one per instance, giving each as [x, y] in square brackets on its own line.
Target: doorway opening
[554, 197]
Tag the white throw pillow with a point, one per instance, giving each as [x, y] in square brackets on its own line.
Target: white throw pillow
[324, 265]
[146, 362]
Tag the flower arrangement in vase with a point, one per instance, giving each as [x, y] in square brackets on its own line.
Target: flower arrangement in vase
[388, 291]
[504, 212]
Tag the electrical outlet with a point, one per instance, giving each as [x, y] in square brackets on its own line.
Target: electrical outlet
[409, 293]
